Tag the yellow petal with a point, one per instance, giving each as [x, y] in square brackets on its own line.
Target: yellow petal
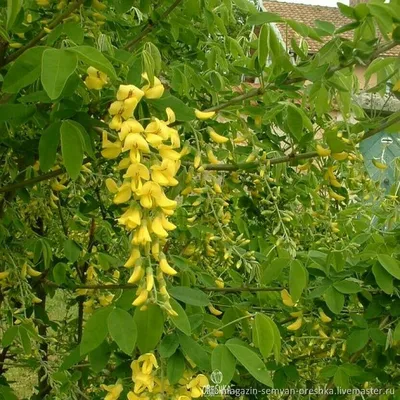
[204, 114]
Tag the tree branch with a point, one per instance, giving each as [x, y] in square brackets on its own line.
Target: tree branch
[150, 26]
[75, 5]
[391, 121]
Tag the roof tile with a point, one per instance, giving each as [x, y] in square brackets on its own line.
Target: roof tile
[308, 14]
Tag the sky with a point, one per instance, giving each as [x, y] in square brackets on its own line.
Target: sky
[330, 3]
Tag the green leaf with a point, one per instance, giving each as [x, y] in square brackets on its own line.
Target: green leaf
[194, 297]
[377, 65]
[195, 351]
[274, 269]
[175, 367]
[263, 18]
[168, 345]
[182, 320]
[357, 340]
[74, 31]
[71, 250]
[24, 71]
[328, 371]
[263, 46]
[223, 360]
[250, 360]
[72, 358]
[295, 122]
[6, 393]
[13, 8]
[93, 57]
[396, 333]
[390, 264]
[48, 145]
[9, 335]
[263, 334]
[297, 279]
[16, 113]
[60, 273]
[122, 328]
[383, 278]
[72, 148]
[99, 357]
[57, 66]
[25, 340]
[95, 330]
[341, 379]
[182, 111]
[334, 300]
[347, 287]
[151, 326]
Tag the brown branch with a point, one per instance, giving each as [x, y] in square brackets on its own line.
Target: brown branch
[391, 121]
[250, 94]
[255, 165]
[151, 26]
[32, 181]
[43, 32]
[129, 286]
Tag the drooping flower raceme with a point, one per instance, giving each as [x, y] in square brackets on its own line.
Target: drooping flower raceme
[150, 159]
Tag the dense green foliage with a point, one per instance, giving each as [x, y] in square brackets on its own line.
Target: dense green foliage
[285, 258]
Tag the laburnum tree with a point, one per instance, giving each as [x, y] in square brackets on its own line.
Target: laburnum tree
[183, 202]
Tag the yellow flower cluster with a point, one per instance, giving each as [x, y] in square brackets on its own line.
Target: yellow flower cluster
[95, 79]
[147, 384]
[151, 163]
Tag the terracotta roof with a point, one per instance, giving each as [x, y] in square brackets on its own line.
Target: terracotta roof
[308, 14]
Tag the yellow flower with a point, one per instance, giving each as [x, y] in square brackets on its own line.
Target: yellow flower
[170, 115]
[137, 172]
[129, 107]
[151, 195]
[124, 194]
[110, 150]
[164, 174]
[169, 226]
[165, 267]
[137, 142]
[117, 107]
[95, 79]
[142, 381]
[196, 386]
[133, 396]
[136, 275]
[130, 126]
[167, 152]
[142, 235]
[131, 218]
[154, 91]
[149, 361]
[114, 391]
[111, 185]
[204, 114]
[142, 298]
[157, 227]
[115, 123]
[128, 91]
[135, 255]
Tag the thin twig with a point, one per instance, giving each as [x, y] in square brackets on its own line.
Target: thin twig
[43, 32]
[151, 26]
